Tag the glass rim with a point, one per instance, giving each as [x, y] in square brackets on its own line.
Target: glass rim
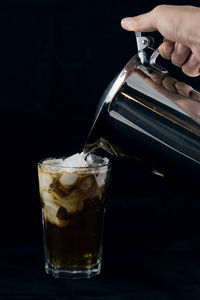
[51, 165]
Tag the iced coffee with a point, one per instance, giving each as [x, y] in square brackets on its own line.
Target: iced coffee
[73, 199]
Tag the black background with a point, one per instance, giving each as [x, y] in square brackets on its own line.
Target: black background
[56, 59]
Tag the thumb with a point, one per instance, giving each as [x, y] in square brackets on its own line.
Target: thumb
[144, 22]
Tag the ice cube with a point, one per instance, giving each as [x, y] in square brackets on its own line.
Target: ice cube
[68, 179]
[53, 162]
[75, 161]
[53, 165]
[100, 178]
[45, 180]
[87, 186]
[89, 160]
[47, 198]
[86, 183]
[94, 160]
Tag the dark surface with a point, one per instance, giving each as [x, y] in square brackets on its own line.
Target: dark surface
[56, 59]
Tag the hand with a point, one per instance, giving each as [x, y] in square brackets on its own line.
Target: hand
[179, 93]
[180, 27]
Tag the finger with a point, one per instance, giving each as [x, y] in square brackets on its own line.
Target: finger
[169, 83]
[156, 77]
[195, 95]
[191, 67]
[183, 89]
[144, 22]
[166, 49]
[180, 54]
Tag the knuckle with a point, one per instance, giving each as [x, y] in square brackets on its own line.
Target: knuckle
[159, 8]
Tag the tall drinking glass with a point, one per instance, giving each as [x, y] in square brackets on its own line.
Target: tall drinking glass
[73, 204]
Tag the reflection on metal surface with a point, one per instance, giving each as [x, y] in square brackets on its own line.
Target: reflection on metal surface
[153, 119]
[120, 118]
[165, 114]
[158, 173]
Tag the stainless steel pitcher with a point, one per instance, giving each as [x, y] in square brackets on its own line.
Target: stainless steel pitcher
[151, 118]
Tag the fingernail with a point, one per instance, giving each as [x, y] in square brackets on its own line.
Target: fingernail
[181, 49]
[192, 60]
[195, 95]
[128, 23]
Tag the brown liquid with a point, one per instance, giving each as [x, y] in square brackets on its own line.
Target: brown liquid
[77, 245]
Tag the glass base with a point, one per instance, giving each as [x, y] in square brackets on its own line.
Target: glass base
[71, 273]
